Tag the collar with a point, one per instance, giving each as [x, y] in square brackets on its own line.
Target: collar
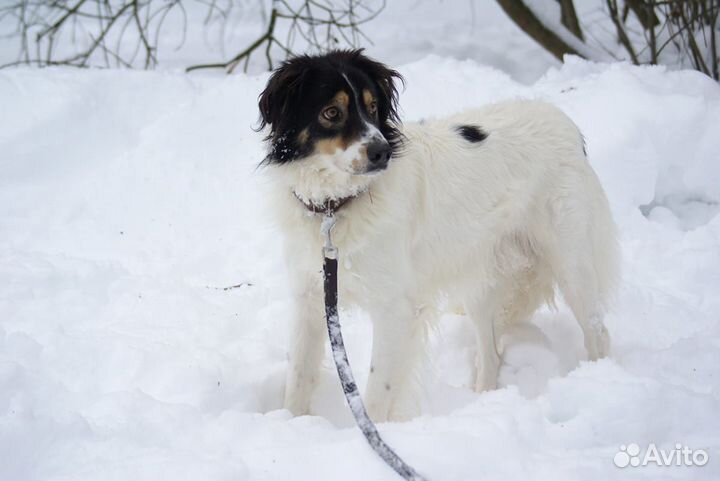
[329, 207]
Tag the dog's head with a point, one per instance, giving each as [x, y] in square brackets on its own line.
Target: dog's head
[339, 109]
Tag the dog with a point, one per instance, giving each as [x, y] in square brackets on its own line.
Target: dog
[493, 210]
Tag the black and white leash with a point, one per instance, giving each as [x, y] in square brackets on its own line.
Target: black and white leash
[330, 269]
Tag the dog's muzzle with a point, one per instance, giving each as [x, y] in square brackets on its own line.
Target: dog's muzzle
[378, 153]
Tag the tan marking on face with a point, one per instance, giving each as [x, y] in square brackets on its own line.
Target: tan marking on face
[303, 136]
[359, 164]
[341, 99]
[368, 99]
[331, 145]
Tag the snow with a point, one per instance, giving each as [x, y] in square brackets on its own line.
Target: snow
[128, 200]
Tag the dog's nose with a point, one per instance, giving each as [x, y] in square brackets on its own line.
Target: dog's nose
[378, 153]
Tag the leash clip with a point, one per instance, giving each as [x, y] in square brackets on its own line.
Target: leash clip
[326, 227]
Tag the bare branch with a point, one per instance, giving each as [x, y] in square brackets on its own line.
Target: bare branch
[530, 24]
[644, 10]
[90, 26]
[569, 18]
[231, 64]
[304, 20]
[621, 33]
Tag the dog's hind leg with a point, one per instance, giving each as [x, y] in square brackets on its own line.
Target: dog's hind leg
[579, 288]
[583, 255]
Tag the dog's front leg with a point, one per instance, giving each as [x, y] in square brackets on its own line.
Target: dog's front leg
[397, 343]
[306, 349]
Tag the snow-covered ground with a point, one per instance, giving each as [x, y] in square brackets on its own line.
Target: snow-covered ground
[129, 199]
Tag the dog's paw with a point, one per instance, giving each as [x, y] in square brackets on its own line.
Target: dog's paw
[297, 409]
[487, 373]
[405, 409]
[378, 410]
[598, 345]
[297, 402]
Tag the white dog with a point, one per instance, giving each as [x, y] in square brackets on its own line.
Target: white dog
[492, 209]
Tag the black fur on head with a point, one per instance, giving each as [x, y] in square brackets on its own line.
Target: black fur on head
[297, 104]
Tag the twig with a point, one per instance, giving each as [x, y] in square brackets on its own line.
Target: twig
[622, 35]
[228, 288]
[303, 21]
[232, 63]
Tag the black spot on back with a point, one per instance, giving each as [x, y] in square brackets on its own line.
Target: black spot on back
[471, 133]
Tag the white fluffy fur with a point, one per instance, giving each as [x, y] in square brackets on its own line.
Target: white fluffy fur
[495, 227]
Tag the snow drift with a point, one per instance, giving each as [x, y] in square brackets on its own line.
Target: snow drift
[128, 200]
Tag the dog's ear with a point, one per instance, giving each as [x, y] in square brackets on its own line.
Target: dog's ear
[385, 78]
[284, 84]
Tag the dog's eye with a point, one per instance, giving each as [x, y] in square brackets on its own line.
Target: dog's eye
[372, 108]
[331, 113]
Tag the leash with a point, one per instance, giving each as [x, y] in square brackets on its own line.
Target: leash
[363, 421]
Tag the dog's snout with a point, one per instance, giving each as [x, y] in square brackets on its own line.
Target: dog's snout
[378, 153]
